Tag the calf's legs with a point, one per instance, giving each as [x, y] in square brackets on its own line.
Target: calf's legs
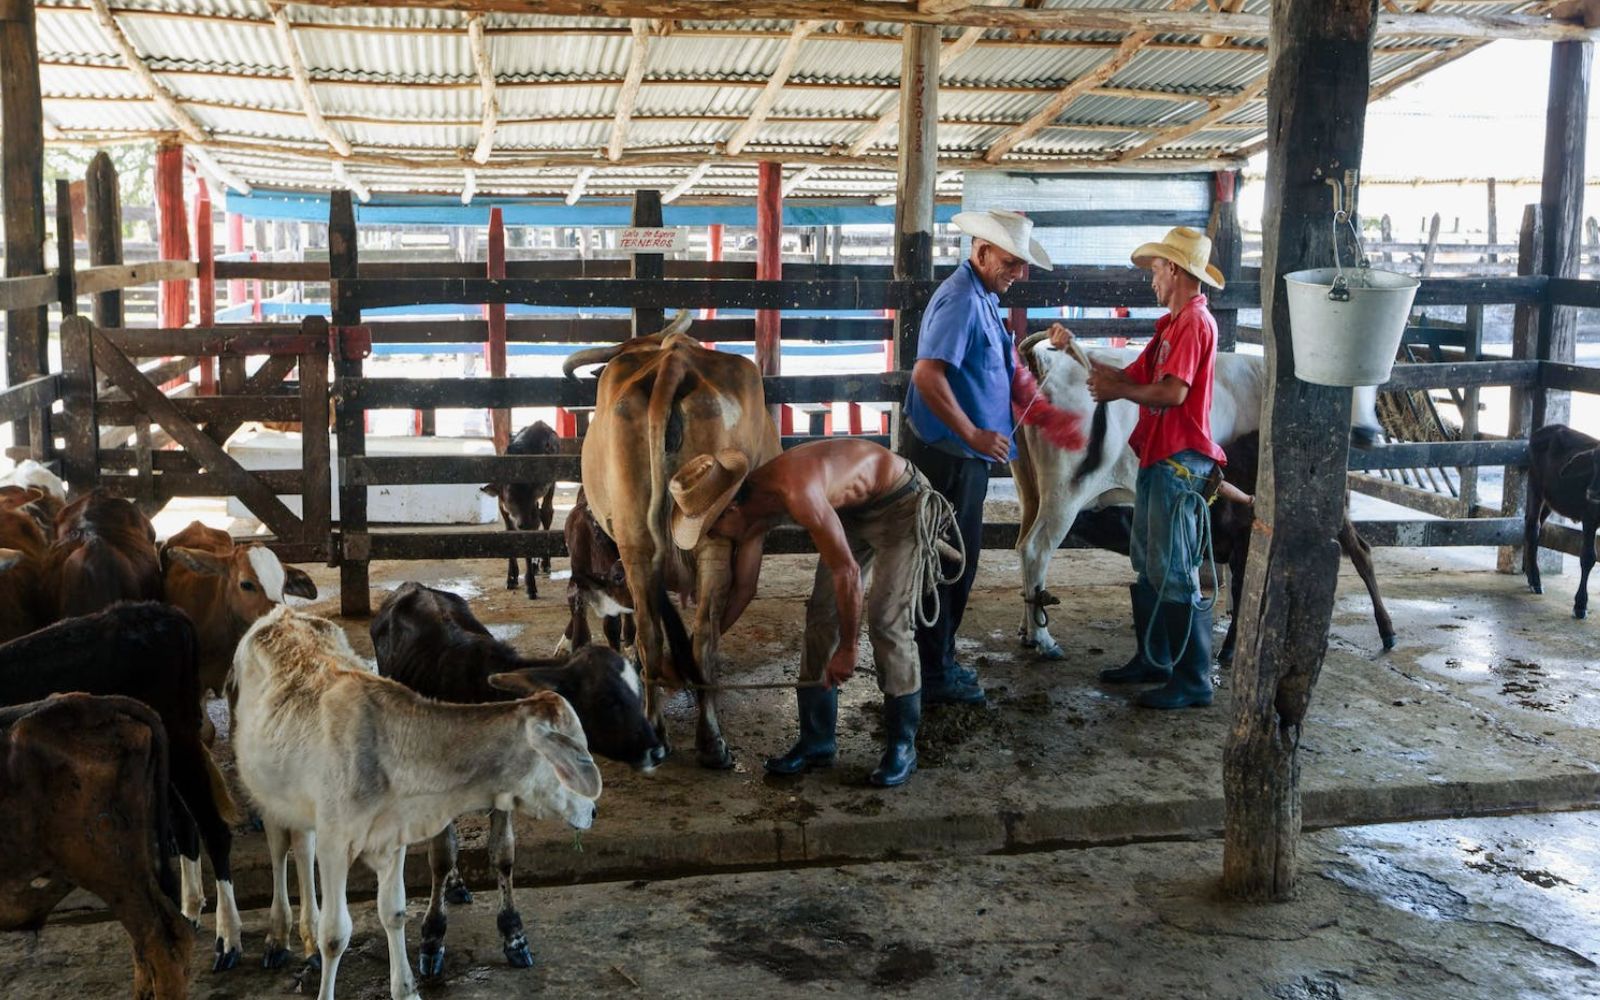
[390, 868]
[442, 865]
[502, 852]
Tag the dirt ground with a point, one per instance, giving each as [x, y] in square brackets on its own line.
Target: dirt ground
[1056, 842]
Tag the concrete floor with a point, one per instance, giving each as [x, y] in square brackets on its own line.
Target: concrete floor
[1057, 842]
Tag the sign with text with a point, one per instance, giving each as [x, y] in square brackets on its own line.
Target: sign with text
[643, 240]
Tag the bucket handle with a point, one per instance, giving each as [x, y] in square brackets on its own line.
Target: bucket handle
[1340, 292]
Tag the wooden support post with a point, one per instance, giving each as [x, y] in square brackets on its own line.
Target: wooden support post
[66, 267]
[316, 500]
[1520, 422]
[205, 278]
[495, 314]
[103, 207]
[713, 254]
[236, 287]
[1561, 197]
[1469, 412]
[652, 266]
[1227, 248]
[1492, 233]
[80, 460]
[1431, 248]
[1321, 57]
[914, 185]
[174, 232]
[355, 544]
[22, 199]
[769, 267]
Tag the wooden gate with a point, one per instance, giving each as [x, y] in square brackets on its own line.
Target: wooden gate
[120, 424]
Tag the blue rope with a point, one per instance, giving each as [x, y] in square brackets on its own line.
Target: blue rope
[1192, 502]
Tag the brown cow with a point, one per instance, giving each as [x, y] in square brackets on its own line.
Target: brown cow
[104, 552]
[83, 803]
[224, 587]
[23, 603]
[597, 582]
[661, 401]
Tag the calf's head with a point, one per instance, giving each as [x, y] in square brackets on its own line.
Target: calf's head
[519, 502]
[603, 690]
[253, 580]
[552, 730]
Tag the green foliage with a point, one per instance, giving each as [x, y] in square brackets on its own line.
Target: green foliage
[135, 163]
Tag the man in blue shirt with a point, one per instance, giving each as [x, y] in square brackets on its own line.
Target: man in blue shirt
[958, 415]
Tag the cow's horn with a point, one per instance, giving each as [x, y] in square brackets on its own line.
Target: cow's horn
[592, 356]
[1026, 347]
[680, 323]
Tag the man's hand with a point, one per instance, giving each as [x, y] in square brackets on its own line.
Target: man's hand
[990, 443]
[1060, 337]
[841, 666]
[1107, 382]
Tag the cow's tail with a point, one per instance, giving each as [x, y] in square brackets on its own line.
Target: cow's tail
[161, 809]
[663, 402]
[680, 649]
[1094, 452]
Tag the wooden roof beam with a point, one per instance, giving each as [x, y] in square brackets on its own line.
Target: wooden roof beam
[578, 184]
[1426, 25]
[1058, 103]
[1219, 110]
[769, 96]
[799, 178]
[344, 178]
[948, 54]
[628, 95]
[216, 171]
[186, 123]
[1226, 7]
[483, 59]
[290, 49]
[690, 179]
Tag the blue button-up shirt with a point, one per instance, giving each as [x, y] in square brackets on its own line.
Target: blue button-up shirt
[962, 328]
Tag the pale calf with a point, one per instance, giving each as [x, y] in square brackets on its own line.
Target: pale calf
[368, 766]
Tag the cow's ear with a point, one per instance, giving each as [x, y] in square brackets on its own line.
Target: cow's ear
[22, 498]
[194, 560]
[298, 583]
[9, 558]
[518, 682]
[493, 489]
[573, 766]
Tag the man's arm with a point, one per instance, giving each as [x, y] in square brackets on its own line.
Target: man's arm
[746, 571]
[822, 521]
[934, 388]
[1107, 383]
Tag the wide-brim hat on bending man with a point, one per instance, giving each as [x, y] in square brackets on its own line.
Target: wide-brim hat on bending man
[702, 490]
[1190, 249]
[1010, 231]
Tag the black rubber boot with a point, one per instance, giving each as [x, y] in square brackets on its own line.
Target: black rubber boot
[1190, 684]
[819, 716]
[1140, 669]
[901, 717]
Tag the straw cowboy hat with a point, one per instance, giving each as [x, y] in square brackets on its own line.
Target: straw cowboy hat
[1188, 248]
[1010, 231]
[702, 490]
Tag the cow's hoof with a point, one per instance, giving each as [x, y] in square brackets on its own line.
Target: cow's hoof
[1052, 651]
[511, 583]
[227, 958]
[430, 963]
[1225, 659]
[533, 595]
[458, 895]
[716, 757]
[517, 953]
[1388, 643]
[1580, 612]
[314, 962]
[274, 958]
[1536, 588]
[658, 755]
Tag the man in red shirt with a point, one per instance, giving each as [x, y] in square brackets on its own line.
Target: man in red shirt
[1171, 382]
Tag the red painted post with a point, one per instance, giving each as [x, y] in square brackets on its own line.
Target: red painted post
[174, 232]
[495, 313]
[206, 281]
[713, 254]
[236, 288]
[769, 267]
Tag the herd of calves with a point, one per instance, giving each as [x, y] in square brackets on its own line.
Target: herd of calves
[106, 771]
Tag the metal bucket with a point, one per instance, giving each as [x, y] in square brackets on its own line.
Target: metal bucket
[1347, 341]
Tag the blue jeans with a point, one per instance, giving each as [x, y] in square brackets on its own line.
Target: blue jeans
[1163, 554]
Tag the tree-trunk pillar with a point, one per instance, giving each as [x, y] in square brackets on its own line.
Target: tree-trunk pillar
[1561, 197]
[914, 188]
[22, 181]
[769, 267]
[1227, 248]
[206, 278]
[103, 211]
[173, 230]
[495, 315]
[1320, 54]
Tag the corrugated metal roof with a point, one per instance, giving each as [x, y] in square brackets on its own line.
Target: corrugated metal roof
[402, 82]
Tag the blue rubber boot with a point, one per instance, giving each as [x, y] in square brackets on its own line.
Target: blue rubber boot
[1141, 667]
[901, 716]
[817, 745]
[952, 689]
[1190, 684]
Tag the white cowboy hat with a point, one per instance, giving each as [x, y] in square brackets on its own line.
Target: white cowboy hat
[702, 490]
[1010, 231]
[1188, 248]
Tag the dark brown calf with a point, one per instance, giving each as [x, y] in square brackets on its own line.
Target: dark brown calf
[24, 604]
[83, 804]
[598, 582]
[529, 505]
[1232, 522]
[1564, 477]
[104, 552]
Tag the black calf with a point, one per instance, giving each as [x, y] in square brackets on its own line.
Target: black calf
[525, 506]
[1564, 477]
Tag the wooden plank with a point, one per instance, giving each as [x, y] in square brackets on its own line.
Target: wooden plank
[646, 266]
[1524, 347]
[1461, 373]
[22, 401]
[29, 292]
[222, 340]
[22, 205]
[355, 598]
[264, 381]
[1583, 293]
[198, 409]
[1468, 475]
[316, 499]
[116, 276]
[103, 209]
[65, 268]
[261, 501]
[170, 483]
[1561, 200]
[1416, 455]
[370, 471]
[80, 463]
[1560, 375]
[1453, 532]
[477, 393]
[1320, 57]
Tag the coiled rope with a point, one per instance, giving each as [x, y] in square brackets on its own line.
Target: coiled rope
[1192, 502]
[938, 542]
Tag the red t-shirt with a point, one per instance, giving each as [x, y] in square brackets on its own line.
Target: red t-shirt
[1185, 347]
